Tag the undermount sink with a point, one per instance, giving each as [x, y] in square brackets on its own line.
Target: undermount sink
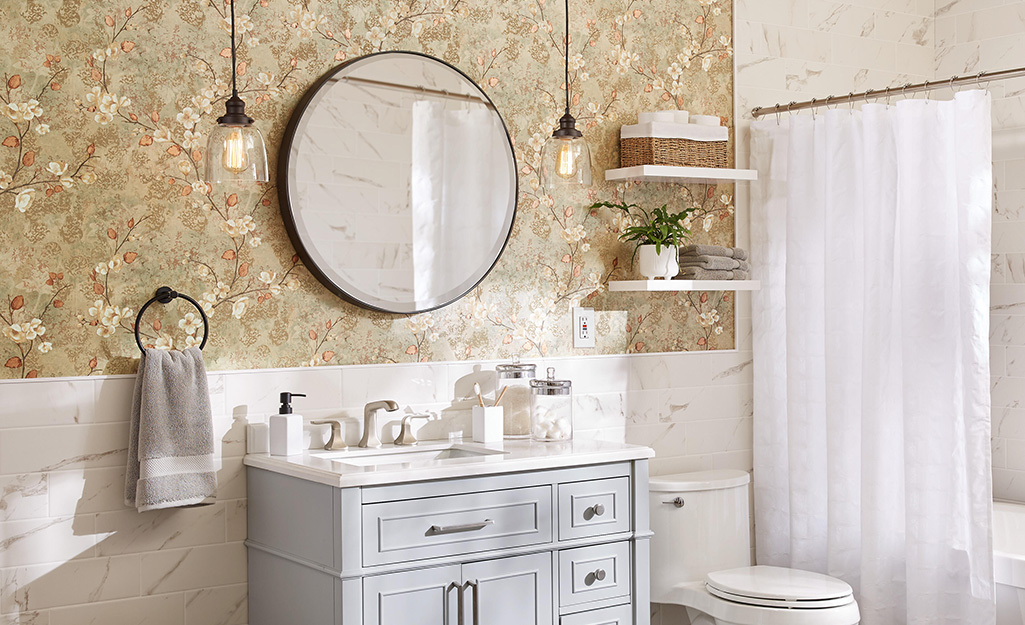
[406, 455]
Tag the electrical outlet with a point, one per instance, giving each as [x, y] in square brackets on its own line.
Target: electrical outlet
[583, 328]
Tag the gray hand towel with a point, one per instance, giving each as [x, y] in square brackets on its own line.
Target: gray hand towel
[714, 262]
[714, 250]
[171, 439]
[697, 273]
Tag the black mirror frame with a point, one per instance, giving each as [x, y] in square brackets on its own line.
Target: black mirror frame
[286, 205]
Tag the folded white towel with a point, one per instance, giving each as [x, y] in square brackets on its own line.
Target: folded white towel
[171, 439]
[672, 130]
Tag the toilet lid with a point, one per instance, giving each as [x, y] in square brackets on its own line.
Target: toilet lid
[779, 587]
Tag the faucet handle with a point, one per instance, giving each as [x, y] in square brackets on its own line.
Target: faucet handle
[337, 441]
[405, 436]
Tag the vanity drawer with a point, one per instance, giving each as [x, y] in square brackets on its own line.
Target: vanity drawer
[417, 529]
[594, 573]
[594, 508]
[616, 615]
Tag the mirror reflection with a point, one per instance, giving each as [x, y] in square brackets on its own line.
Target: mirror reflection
[401, 182]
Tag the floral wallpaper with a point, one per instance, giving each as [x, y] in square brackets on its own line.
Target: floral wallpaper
[104, 113]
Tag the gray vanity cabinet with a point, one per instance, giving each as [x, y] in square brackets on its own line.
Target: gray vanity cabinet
[562, 546]
[505, 591]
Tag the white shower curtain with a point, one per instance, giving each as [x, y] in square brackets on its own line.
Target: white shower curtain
[871, 236]
[458, 168]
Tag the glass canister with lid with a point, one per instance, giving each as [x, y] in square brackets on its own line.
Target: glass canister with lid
[514, 385]
[551, 409]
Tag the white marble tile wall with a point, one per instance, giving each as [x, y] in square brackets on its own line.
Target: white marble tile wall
[72, 553]
[986, 35]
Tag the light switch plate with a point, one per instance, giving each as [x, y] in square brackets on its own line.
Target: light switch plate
[583, 328]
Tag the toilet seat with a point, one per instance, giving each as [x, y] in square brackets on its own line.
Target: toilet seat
[777, 587]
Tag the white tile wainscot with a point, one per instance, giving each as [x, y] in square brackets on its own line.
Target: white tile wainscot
[71, 553]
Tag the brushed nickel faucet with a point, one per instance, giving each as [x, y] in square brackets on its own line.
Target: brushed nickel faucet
[370, 436]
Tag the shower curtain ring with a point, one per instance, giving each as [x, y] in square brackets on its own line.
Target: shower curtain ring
[850, 100]
[887, 96]
[904, 89]
[828, 98]
[813, 107]
[777, 113]
[928, 91]
[951, 84]
[790, 106]
[978, 79]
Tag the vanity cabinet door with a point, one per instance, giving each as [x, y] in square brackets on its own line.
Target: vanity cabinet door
[510, 591]
[423, 597]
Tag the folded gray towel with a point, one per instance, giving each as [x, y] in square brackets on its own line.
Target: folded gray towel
[697, 273]
[714, 262]
[171, 438]
[714, 250]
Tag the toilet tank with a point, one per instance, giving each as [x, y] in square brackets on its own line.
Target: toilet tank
[701, 523]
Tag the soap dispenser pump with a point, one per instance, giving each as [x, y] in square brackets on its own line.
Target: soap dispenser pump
[286, 429]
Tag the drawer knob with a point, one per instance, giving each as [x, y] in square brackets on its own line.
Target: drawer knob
[598, 575]
[593, 511]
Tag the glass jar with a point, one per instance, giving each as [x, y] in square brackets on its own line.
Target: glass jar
[514, 380]
[551, 409]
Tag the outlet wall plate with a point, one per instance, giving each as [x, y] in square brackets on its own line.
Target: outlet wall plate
[583, 328]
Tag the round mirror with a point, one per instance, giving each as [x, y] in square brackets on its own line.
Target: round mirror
[398, 182]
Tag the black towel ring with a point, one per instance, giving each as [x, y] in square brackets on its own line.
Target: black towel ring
[166, 295]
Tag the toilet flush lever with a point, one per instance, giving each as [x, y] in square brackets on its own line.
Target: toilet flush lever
[678, 502]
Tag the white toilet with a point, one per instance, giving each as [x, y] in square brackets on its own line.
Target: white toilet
[701, 556]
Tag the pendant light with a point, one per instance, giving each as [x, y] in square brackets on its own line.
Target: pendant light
[565, 158]
[235, 150]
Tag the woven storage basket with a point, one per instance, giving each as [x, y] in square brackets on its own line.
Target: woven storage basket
[677, 152]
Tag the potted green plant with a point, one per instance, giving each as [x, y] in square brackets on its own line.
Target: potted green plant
[657, 238]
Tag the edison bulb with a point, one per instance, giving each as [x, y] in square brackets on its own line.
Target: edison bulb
[566, 161]
[235, 157]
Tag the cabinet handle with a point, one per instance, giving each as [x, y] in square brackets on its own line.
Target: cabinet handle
[598, 575]
[437, 530]
[475, 586]
[459, 601]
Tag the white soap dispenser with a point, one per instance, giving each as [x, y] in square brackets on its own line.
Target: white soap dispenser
[286, 429]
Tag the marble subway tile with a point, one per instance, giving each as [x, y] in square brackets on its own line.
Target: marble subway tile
[998, 269]
[46, 402]
[784, 12]
[998, 361]
[1007, 330]
[70, 583]
[1013, 357]
[1008, 422]
[172, 570]
[406, 384]
[1015, 453]
[1009, 485]
[38, 617]
[39, 541]
[86, 491]
[1007, 393]
[997, 450]
[231, 479]
[768, 40]
[670, 465]
[256, 392]
[236, 520]
[864, 53]
[761, 71]
[990, 22]
[160, 610]
[223, 605]
[27, 450]
[708, 403]
[24, 497]
[1007, 298]
[128, 531]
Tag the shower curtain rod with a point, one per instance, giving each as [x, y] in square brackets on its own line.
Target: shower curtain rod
[928, 85]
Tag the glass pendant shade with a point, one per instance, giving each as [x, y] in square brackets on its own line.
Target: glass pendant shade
[565, 158]
[234, 150]
[236, 153]
[565, 161]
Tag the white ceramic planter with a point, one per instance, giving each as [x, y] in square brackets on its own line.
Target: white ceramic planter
[651, 265]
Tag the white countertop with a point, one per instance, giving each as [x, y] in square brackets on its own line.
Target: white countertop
[331, 468]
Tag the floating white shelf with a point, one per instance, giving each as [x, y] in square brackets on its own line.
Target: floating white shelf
[684, 285]
[666, 173]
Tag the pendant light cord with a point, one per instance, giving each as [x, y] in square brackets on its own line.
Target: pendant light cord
[235, 91]
[567, 56]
